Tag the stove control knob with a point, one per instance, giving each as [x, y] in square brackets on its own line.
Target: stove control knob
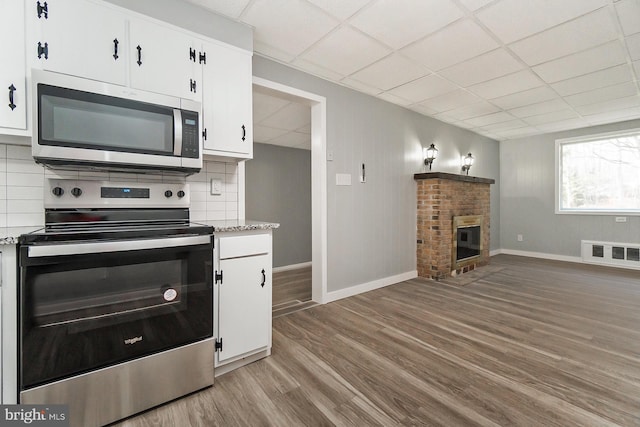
[57, 191]
[181, 194]
[77, 192]
[168, 193]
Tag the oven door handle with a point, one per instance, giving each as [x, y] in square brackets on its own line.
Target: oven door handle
[115, 246]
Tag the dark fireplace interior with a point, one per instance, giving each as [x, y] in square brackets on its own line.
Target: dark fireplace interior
[468, 242]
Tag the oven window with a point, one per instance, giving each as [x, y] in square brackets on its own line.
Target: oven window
[111, 294]
[88, 311]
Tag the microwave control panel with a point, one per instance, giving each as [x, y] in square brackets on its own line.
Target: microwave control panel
[190, 135]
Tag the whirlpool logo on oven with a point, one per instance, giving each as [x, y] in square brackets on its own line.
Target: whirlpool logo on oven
[133, 340]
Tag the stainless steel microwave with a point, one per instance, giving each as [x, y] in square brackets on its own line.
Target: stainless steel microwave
[85, 124]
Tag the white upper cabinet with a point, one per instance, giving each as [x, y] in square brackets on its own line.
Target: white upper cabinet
[13, 109]
[227, 101]
[164, 60]
[81, 38]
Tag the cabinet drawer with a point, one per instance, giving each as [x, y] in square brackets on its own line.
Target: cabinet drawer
[239, 246]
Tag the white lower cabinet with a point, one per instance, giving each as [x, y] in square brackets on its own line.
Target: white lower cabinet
[242, 297]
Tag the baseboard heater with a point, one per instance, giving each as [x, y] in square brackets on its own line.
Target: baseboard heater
[626, 255]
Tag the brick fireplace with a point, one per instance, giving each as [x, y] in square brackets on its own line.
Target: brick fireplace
[447, 202]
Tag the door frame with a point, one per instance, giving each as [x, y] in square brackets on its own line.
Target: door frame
[318, 106]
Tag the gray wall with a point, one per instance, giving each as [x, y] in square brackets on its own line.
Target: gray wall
[278, 189]
[372, 226]
[528, 194]
[193, 18]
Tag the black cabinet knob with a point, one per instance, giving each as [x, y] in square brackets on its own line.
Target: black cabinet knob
[77, 192]
[181, 194]
[168, 193]
[57, 191]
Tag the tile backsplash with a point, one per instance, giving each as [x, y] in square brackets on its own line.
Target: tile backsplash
[22, 184]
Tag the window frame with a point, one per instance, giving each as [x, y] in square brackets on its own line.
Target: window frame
[558, 173]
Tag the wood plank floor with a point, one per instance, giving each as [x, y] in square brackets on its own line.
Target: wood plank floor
[291, 285]
[525, 343]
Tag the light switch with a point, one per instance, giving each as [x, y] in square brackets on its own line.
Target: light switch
[216, 187]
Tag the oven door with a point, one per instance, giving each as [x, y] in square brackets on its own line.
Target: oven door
[85, 306]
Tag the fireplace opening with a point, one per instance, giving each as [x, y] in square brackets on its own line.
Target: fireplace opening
[468, 242]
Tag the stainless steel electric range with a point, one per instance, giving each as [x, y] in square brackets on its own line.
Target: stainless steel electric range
[115, 300]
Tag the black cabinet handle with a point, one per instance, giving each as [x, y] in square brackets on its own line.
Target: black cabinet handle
[43, 9]
[203, 58]
[139, 61]
[192, 54]
[43, 50]
[244, 132]
[192, 85]
[12, 89]
[264, 278]
[115, 49]
[204, 134]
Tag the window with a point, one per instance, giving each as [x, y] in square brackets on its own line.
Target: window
[599, 174]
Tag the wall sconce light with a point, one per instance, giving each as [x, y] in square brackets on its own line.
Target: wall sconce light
[429, 155]
[467, 162]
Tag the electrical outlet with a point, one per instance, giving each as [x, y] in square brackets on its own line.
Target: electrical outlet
[520, 238]
[216, 187]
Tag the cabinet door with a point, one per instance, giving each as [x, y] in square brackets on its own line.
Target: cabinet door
[80, 38]
[244, 305]
[227, 100]
[164, 60]
[13, 109]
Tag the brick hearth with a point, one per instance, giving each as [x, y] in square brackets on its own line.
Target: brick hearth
[441, 197]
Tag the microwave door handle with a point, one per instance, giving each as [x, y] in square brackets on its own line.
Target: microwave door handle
[115, 246]
[177, 132]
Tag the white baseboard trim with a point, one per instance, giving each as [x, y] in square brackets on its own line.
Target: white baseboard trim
[291, 267]
[370, 286]
[495, 252]
[542, 255]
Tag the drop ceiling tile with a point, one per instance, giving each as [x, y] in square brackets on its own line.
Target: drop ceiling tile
[266, 105]
[564, 125]
[291, 139]
[291, 25]
[517, 133]
[539, 108]
[508, 125]
[482, 68]
[512, 83]
[527, 97]
[291, 117]
[271, 52]
[345, 51]
[474, 110]
[636, 67]
[608, 106]
[457, 42]
[339, 8]
[360, 87]
[418, 108]
[615, 116]
[580, 34]
[633, 44]
[489, 119]
[608, 93]
[305, 129]
[315, 69]
[556, 116]
[602, 78]
[389, 72]
[389, 97]
[397, 23]
[451, 100]
[475, 4]
[629, 15]
[265, 133]
[601, 57]
[424, 88]
[231, 8]
[512, 20]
